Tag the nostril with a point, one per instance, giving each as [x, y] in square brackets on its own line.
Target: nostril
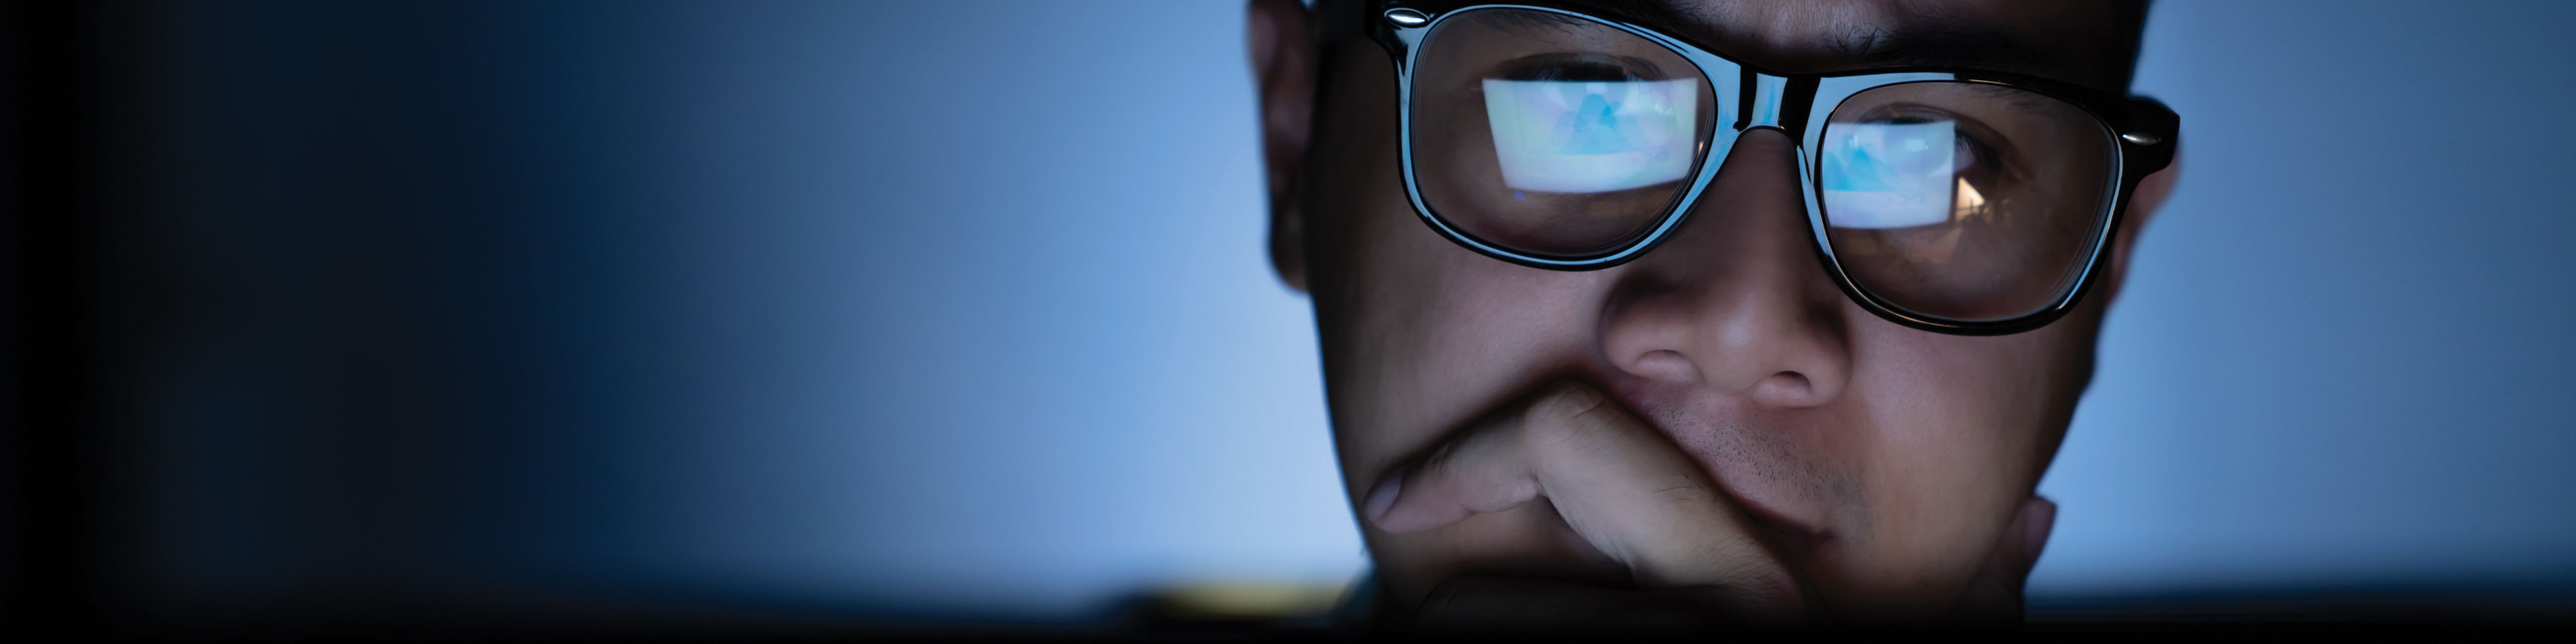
[1664, 364]
[1786, 387]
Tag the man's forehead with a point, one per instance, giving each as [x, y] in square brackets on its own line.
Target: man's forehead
[2090, 43]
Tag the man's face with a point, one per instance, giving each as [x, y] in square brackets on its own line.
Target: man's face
[1883, 466]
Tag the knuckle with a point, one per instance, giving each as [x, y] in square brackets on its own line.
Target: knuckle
[1568, 400]
[1566, 413]
[1438, 470]
[1683, 492]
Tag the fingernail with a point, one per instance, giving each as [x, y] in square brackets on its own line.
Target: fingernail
[1382, 497]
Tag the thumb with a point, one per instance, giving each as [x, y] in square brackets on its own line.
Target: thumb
[1995, 594]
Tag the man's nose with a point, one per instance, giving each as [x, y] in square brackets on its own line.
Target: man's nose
[1735, 301]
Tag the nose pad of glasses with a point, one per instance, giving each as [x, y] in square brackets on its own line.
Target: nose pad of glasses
[1758, 173]
[1751, 217]
[1761, 140]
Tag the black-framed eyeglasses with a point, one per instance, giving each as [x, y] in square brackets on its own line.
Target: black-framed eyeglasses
[1950, 200]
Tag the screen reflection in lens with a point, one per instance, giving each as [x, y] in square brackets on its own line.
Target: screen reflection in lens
[1572, 136]
[1550, 135]
[1965, 201]
[1890, 175]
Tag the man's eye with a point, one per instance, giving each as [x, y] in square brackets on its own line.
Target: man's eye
[1895, 173]
[1974, 160]
[1907, 165]
[1588, 136]
[1971, 155]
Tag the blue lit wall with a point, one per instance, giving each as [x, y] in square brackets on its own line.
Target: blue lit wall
[2344, 357]
[960, 308]
[945, 307]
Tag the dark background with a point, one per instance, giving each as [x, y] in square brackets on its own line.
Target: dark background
[633, 317]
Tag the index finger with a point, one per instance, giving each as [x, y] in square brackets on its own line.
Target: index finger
[1619, 483]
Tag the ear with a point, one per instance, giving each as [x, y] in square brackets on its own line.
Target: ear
[2143, 204]
[1283, 66]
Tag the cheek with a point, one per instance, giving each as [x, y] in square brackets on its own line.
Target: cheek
[1959, 430]
[1434, 334]
[1419, 336]
[1418, 333]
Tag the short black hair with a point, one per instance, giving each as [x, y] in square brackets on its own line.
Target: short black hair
[1340, 20]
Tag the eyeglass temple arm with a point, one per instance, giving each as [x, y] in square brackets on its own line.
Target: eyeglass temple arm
[2147, 136]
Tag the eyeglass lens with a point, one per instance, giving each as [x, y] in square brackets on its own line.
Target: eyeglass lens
[1552, 135]
[1963, 201]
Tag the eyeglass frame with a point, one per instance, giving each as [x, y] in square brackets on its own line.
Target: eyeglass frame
[2142, 128]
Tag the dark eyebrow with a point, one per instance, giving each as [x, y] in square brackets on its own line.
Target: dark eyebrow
[1660, 14]
[1926, 38]
[1937, 40]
